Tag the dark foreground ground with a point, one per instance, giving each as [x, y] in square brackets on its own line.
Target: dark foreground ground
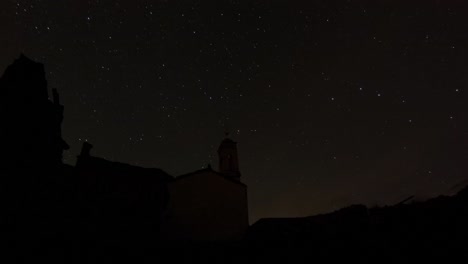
[59, 220]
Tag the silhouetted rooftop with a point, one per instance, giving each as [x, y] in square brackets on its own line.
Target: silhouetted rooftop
[209, 169]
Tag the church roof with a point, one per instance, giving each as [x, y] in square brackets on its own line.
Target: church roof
[209, 169]
[228, 140]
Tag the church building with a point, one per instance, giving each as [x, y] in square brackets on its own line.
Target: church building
[208, 204]
[201, 205]
[97, 199]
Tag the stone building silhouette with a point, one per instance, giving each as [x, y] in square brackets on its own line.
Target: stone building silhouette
[31, 123]
[98, 199]
[201, 205]
[208, 204]
[38, 189]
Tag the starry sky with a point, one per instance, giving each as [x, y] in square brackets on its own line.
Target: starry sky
[332, 103]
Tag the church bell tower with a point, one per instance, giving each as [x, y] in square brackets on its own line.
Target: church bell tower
[228, 160]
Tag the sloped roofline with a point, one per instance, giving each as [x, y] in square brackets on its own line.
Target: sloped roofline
[89, 161]
[183, 176]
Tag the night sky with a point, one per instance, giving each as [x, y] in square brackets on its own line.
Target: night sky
[331, 102]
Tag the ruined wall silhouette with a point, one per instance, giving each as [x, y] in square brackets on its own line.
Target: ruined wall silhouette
[51, 208]
[31, 123]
